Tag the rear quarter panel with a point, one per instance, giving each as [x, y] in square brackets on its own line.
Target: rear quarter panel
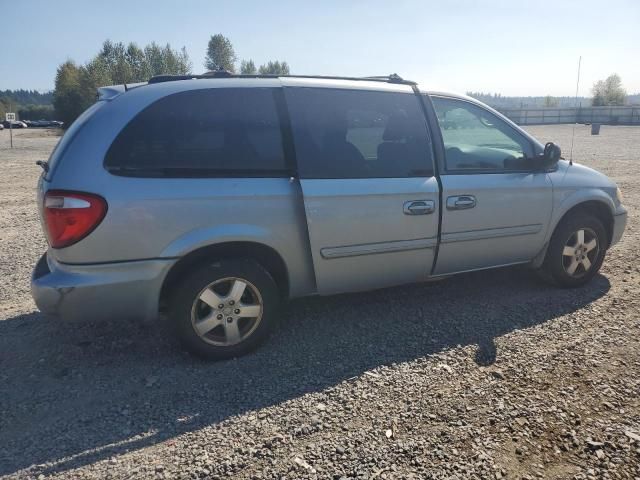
[169, 217]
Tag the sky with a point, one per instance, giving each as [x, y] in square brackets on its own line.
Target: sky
[512, 47]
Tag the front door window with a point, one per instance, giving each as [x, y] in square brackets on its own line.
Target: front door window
[477, 140]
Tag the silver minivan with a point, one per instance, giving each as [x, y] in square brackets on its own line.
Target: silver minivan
[213, 198]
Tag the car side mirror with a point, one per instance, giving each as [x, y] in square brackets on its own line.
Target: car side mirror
[550, 155]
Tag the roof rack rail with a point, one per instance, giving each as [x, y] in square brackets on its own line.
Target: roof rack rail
[393, 78]
[220, 73]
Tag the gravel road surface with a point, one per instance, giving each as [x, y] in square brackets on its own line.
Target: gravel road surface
[484, 375]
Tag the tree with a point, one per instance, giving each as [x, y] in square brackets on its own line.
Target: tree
[247, 67]
[27, 97]
[115, 63]
[220, 54]
[274, 68]
[67, 97]
[609, 91]
[5, 106]
[36, 112]
[550, 101]
[28, 104]
[135, 58]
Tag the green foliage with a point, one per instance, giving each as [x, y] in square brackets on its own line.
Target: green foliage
[164, 61]
[4, 108]
[26, 104]
[550, 101]
[247, 67]
[26, 97]
[68, 101]
[609, 91]
[116, 63]
[220, 54]
[274, 68]
[36, 112]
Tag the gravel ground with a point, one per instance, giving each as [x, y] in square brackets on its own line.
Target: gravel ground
[512, 379]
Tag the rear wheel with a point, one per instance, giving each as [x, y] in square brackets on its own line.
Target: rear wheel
[576, 250]
[225, 309]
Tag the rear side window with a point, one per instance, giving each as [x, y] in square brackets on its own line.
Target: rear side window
[67, 138]
[358, 134]
[215, 132]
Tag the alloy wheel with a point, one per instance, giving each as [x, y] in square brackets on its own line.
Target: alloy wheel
[580, 252]
[227, 311]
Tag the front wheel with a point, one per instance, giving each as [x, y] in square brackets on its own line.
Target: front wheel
[576, 250]
[225, 308]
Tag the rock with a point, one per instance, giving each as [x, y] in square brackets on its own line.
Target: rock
[522, 421]
[445, 367]
[632, 435]
[300, 462]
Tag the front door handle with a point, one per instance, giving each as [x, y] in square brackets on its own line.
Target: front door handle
[461, 202]
[419, 207]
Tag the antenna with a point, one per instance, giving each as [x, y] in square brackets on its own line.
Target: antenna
[573, 133]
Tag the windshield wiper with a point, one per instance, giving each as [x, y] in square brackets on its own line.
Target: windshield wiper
[44, 164]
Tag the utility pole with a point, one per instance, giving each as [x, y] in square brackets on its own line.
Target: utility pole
[10, 118]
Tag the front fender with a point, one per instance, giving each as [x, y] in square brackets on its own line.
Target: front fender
[564, 202]
[569, 199]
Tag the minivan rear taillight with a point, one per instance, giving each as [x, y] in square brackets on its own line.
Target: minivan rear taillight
[71, 216]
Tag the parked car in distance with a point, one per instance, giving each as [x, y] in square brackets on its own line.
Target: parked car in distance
[14, 124]
[1, 126]
[270, 188]
[43, 123]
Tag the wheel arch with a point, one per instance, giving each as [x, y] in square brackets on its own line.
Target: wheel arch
[265, 255]
[598, 207]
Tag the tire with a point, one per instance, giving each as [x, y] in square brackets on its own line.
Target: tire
[208, 308]
[570, 271]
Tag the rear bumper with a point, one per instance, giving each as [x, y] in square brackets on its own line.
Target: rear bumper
[619, 224]
[99, 292]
